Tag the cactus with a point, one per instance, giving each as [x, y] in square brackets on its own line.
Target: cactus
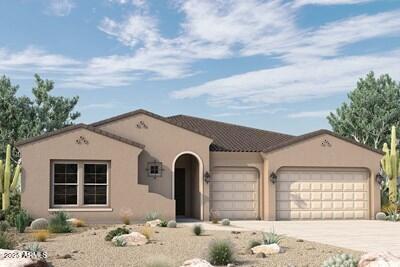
[21, 222]
[390, 165]
[7, 186]
[340, 260]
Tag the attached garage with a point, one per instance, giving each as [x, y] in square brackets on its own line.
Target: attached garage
[234, 193]
[322, 193]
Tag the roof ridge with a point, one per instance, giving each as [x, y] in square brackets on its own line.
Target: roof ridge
[230, 124]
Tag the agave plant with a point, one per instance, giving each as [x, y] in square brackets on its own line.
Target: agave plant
[272, 238]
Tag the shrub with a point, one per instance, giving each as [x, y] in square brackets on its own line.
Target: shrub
[197, 229]
[394, 217]
[11, 215]
[147, 232]
[213, 217]
[225, 222]
[125, 215]
[380, 216]
[119, 242]
[21, 221]
[272, 238]
[340, 260]
[126, 220]
[151, 216]
[40, 224]
[171, 224]
[253, 243]
[41, 235]
[6, 241]
[4, 225]
[163, 223]
[220, 252]
[116, 232]
[59, 224]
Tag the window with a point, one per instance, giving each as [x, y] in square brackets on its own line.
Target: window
[95, 187]
[154, 169]
[65, 184]
[80, 183]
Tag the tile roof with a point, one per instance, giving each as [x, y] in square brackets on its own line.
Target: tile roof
[231, 137]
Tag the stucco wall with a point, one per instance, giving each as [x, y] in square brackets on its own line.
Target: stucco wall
[125, 192]
[311, 153]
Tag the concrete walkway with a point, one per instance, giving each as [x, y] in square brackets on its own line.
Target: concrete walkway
[360, 235]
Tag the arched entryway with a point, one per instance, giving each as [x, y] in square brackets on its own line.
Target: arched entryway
[187, 186]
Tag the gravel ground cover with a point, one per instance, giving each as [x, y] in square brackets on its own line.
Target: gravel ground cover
[87, 247]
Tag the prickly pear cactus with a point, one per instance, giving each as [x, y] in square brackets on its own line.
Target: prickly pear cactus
[340, 260]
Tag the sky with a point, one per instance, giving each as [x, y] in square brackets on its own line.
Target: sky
[279, 65]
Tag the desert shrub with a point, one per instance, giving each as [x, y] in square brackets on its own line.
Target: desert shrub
[340, 260]
[21, 221]
[41, 235]
[147, 232]
[272, 238]
[40, 224]
[59, 224]
[116, 232]
[394, 217]
[126, 220]
[225, 222]
[380, 216]
[253, 243]
[220, 252]
[213, 217]
[163, 223]
[119, 242]
[197, 229]
[6, 241]
[4, 225]
[171, 224]
[151, 216]
[390, 208]
[126, 214]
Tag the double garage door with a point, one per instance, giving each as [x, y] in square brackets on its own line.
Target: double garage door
[234, 193]
[306, 194]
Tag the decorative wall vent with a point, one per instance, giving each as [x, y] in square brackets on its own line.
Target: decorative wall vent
[326, 143]
[141, 125]
[154, 169]
[81, 140]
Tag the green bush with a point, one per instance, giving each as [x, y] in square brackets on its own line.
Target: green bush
[21, 221]
[171, 224]
[151, 216]
[340, 260]
[163, 223]
[272, 238]
[116, 232]
[220, 252]
[226, 222]
[4, 225]
[197, 229]
[6, 241]
[59, 224]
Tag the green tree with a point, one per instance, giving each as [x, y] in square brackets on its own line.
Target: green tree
[373, 108]
[22, 117]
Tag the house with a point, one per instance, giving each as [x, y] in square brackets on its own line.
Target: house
[193, 167]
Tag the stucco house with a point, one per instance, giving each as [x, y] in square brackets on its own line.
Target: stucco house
[193, 167]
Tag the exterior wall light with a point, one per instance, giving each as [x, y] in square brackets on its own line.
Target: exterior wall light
[207, 177]
[380, 179]
[273, 177]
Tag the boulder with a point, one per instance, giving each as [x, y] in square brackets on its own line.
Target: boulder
[381, 259]
[266, 249]
[31, 261]
[131, 239]
[39, 224]
[196, 263]
[153, 223]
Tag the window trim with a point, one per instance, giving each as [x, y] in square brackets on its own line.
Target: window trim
[107, 184]
[80, 184]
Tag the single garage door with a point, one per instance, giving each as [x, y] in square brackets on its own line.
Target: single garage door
[304, 194]
[234, 193]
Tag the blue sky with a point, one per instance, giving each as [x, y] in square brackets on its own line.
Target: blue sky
[277, 65]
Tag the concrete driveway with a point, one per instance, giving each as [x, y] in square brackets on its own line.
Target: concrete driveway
[360, 235]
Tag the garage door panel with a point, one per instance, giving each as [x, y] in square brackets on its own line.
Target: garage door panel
[322, 194]
[234, 193]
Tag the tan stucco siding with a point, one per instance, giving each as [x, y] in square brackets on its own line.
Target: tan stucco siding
[124, 190]
[311, 153]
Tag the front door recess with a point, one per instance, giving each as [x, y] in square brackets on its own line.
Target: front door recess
[180, 191]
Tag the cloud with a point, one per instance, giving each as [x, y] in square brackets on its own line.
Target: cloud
[310, 114]
[59, 8]
[294, 82]
[298, 3]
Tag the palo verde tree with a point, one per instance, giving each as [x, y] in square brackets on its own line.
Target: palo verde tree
[373, 108]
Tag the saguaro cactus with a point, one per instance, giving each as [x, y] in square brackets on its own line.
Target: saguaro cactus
[390, 165]
[6, 185]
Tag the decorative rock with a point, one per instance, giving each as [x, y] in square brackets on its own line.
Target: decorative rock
[260, 255]
[39, 224]
[299, 240]
[20, 262]
[266, 249]
[73, 221]
[196, 263]
[153, 223]
[75, 251]
[375, 259]
[132, 239]
[235, 232]
[230, 265]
